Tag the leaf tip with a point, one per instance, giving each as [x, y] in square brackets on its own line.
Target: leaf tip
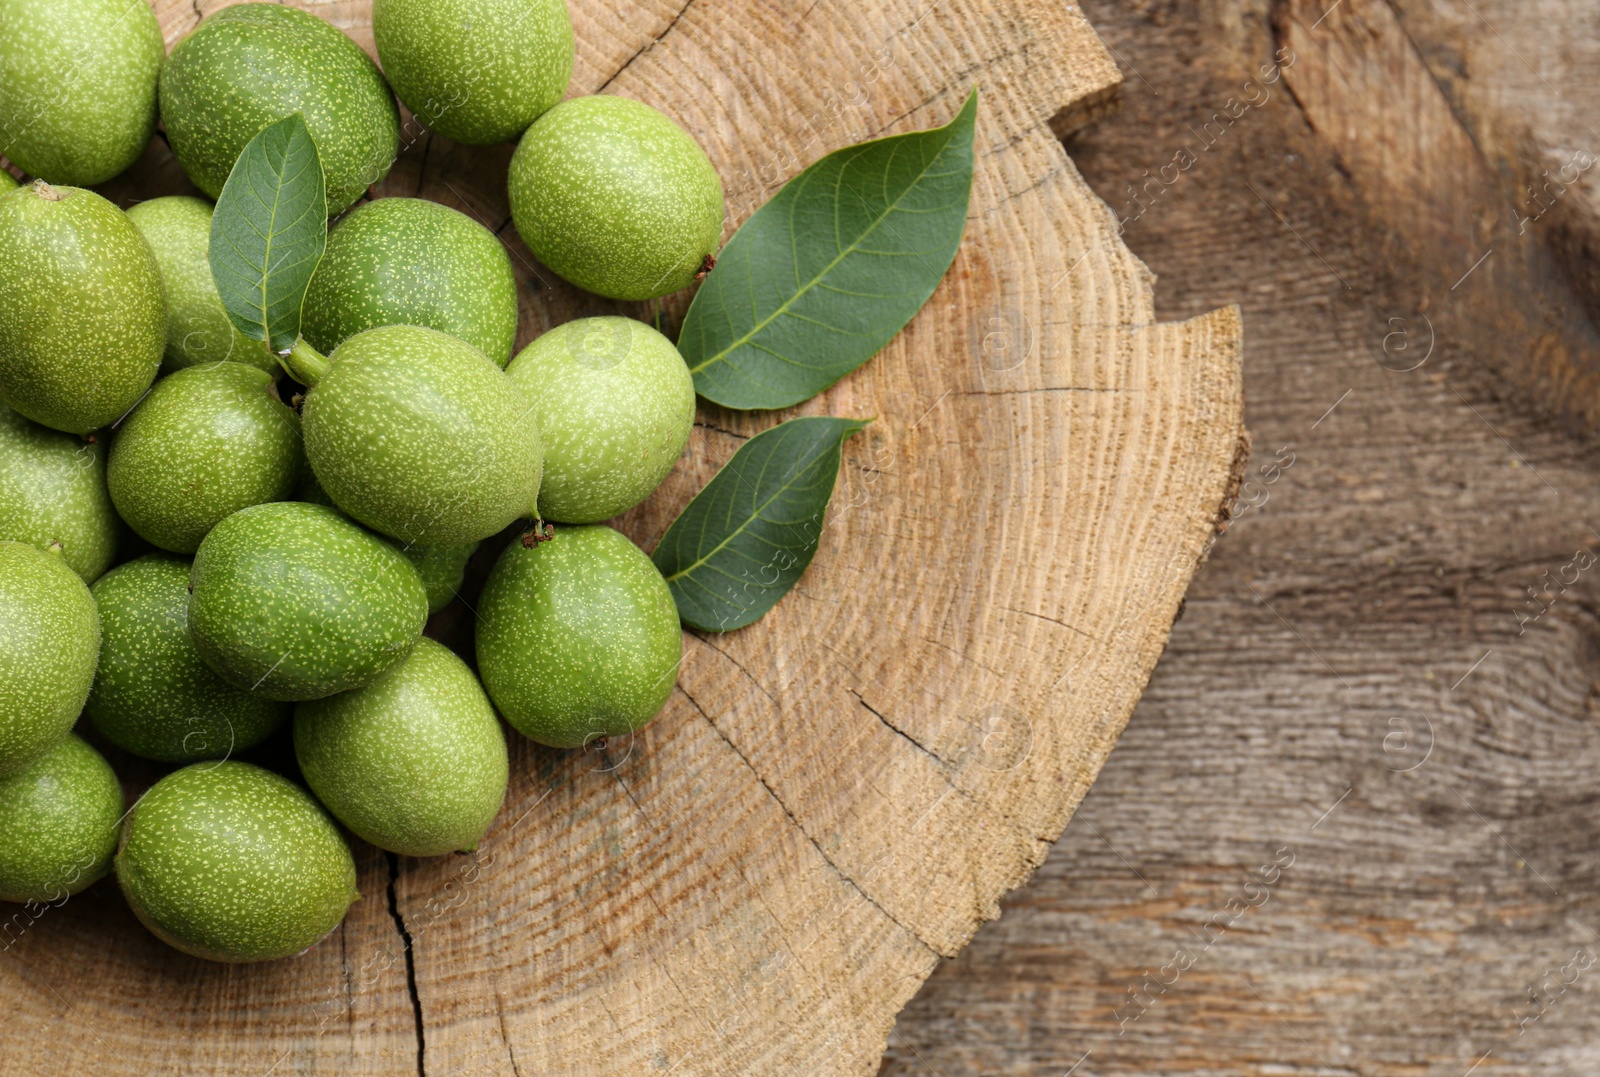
[969, 109]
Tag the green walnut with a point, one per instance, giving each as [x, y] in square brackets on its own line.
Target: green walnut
[476, 71]
[53, 494]
[615, 404]
[616, 198]
[415, 762]
[406, 261]
[83, 325]
[8, 182]
[251, 65]
[178, 229]
[77, 86]
[441, 568]
[207, 442]
[49, 642]
[153, 696]
[294, 602]
[229, 862]
[578, 637]
[420, 436]
[58, 824]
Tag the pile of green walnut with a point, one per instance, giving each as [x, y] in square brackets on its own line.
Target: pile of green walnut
[197, 554]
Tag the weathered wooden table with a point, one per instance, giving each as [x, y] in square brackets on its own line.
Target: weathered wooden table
[1389, 669]
[838, 796]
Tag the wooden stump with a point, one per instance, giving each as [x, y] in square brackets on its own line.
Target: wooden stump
[837, 796]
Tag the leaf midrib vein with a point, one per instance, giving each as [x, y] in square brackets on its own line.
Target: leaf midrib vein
[266, 259]
[829, 268]
[749, 521]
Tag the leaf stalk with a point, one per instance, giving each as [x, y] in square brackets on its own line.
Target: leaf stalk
[304, 363]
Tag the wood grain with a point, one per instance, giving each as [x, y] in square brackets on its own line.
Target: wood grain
[1369, 598]
[837, 797]
[1368, 94]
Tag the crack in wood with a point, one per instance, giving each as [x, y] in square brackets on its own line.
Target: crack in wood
[945, 767]
[629, 793]
[1056, 621]
[647, 46]
[411, 964]
[347, 976]
[661, 913]
[740, 667]
[907, 737]
[1055, 175]
[826, 859]
[505, 1038]
[963, 657]
[719, 430]
[807, 13]
[954, 85]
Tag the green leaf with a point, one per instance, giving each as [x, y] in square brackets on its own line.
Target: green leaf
[269, 232]
[748, 536]
[827, 272]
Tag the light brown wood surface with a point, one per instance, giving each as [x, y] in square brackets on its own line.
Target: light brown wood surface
[837, 797]
[1353, 639]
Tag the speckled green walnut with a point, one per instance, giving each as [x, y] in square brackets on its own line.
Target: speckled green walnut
[53, 494]
[82, 322]
[49, 642]
[477, 71]
[230, 862]
[415, 762]
[58, 824]
[77, 86]
[207, 441]
[251, 65]
[441, 568]
[295, 602]
[578, 637]
[616, 198]
[406, 261]
[178, 229]
[420, 436]
[8, 182]
[153, 696]
[615, 404]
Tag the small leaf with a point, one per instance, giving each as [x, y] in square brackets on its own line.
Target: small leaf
[820, 278]
[269, 231]
[748, 536]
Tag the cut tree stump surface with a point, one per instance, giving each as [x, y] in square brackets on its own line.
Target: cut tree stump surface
[837, 797]
[1349, 681]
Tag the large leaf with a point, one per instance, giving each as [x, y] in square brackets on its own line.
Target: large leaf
[269, 232]
[748, 536]
[827, 272]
